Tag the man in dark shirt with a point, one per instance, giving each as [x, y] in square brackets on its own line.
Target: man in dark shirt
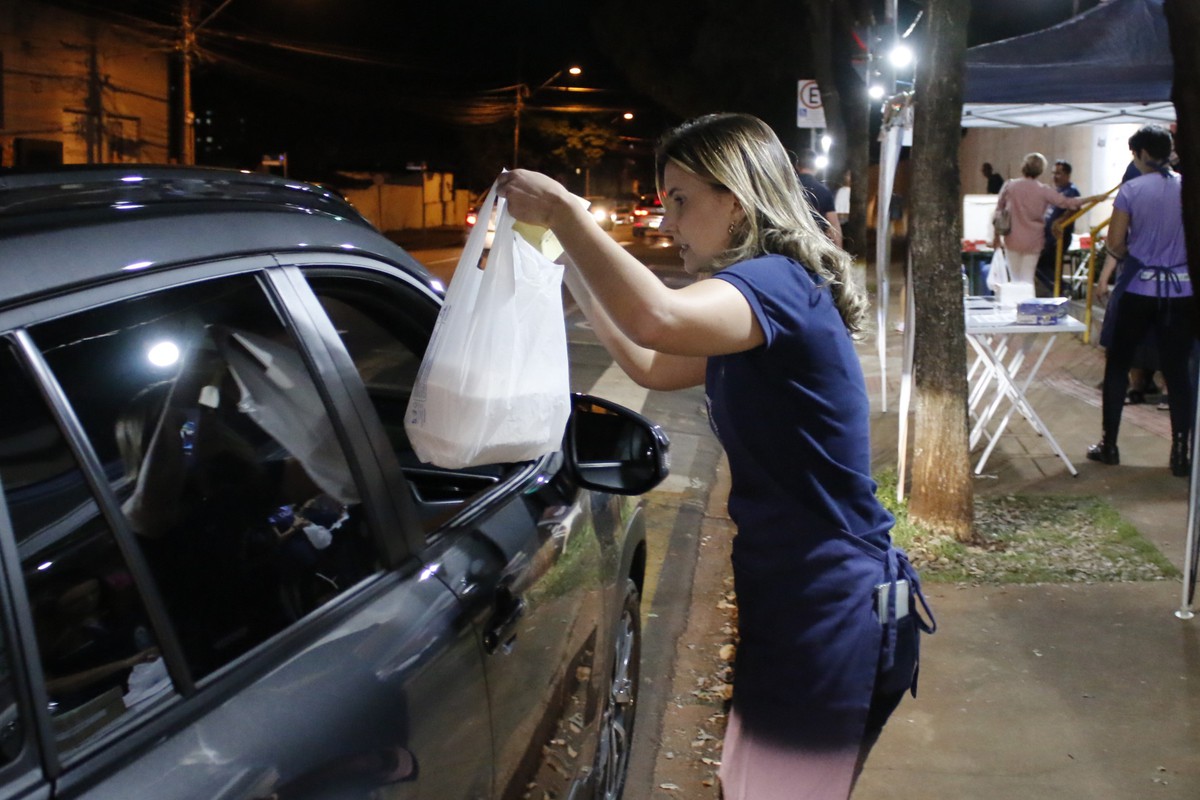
[1045, 265]
[994, 182]
[818, 196]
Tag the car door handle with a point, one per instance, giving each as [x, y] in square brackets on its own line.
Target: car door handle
[501, 628]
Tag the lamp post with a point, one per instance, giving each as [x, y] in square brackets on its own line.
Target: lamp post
[187, 48]
[523, 91]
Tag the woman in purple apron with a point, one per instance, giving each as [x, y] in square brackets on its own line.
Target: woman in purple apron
[1153, 292]
[826, 605]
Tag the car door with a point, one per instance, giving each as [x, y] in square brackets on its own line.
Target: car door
[198, 501]
[21, 775]
[517, 543]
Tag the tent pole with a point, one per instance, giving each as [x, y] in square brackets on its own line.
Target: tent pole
[883, 241]
[910, 323]
[889, 158]
[1185, 601]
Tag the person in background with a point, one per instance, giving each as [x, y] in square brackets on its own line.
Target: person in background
[1027, 201]
[841, 199]
[1061, 176]
[994, 181]
[1131, 171]
[1145, 358]
[1154, 292]
[819, 196]
[827, 621]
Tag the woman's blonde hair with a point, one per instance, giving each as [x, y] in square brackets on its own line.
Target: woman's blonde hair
[740, 154]
[1035, 164]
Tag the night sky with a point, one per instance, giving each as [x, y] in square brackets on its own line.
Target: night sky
[382, 83]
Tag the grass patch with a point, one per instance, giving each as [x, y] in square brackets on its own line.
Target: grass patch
[1030, 539]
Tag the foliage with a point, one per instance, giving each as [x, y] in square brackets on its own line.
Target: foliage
[1030, 539]
[573, 143]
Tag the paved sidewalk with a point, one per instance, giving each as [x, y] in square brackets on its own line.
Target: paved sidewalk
[1053, 691]
[1048, 692]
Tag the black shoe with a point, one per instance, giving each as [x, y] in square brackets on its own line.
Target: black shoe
[1181, 465]
[1105, 453]
[1135, 397]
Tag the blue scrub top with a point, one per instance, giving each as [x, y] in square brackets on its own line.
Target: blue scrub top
[812, 540]
[792, 415]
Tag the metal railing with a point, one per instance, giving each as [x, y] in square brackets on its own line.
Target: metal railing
[1091, 257]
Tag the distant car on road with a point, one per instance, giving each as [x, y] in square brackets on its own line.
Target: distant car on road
[226, 573]
[623, 212]
[604, 210]
[472, 219]
[647, 216]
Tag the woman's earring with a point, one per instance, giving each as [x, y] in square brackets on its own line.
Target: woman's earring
[731, 227]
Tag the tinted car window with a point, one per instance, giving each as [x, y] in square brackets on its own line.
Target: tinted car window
[98, 655]
[11, 730]
[217, 443]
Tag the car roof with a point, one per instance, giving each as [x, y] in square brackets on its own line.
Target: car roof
[77, 225]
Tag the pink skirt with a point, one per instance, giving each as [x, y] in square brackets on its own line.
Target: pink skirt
[752, 769]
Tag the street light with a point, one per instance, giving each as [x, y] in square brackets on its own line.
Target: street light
[523, 91]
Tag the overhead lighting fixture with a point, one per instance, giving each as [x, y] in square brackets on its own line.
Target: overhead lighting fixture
[163, 354]
[901, 56]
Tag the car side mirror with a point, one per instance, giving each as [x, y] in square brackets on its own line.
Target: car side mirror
[613, 449]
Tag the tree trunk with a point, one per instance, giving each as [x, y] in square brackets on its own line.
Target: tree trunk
[829, 48]
[1183, 20]
[941, 497]
[856, 125]
[819, 27]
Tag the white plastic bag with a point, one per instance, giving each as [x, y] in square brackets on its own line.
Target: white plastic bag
[494, 384]
[998, 271]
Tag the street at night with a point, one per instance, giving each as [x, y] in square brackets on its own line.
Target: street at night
[288, 510]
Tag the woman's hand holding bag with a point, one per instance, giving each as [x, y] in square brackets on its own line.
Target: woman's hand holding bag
[494, 384]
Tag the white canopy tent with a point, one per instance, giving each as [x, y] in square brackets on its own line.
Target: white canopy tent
[1052, 115]
[1107, 65]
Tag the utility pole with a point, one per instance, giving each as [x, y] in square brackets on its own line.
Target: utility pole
[187, 46]
[188, 28]
[521, 90]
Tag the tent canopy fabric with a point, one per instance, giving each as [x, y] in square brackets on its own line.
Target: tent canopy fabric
[1109, 64]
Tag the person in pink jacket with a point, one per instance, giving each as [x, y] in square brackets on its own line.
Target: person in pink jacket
[1026, 200]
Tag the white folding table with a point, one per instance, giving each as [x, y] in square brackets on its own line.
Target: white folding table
[1002, 346]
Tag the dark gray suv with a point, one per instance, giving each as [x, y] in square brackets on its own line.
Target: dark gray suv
[225, 573]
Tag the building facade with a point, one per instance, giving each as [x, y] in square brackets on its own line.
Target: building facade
[80, 90]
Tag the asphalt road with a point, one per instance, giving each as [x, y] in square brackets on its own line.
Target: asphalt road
[674, 510]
